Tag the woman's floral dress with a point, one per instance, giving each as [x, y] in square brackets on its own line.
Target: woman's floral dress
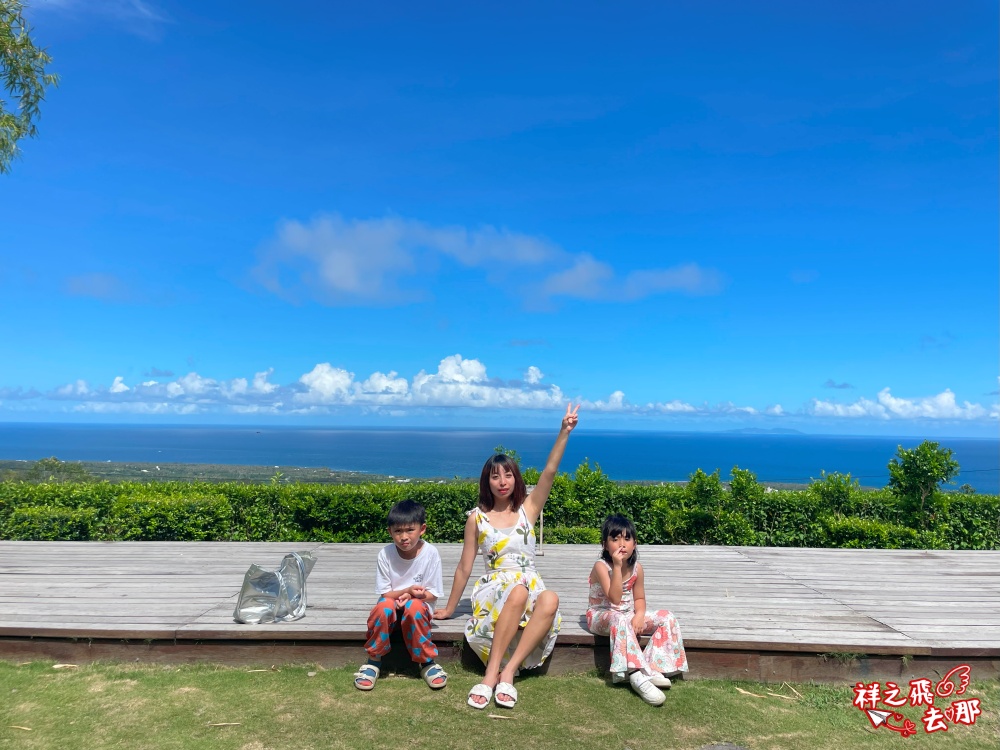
[665, 651]
[510, 561]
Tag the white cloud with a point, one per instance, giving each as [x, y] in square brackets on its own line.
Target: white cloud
[457, 383]
[887, 406]
[386, 385]
[326, 385]
[589, 278]
[463, 382]
[260, 384]
[70, 390]
[689, 278]
[381, 261]
[393, 261]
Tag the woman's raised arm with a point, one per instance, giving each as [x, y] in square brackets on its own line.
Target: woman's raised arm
[536, 500]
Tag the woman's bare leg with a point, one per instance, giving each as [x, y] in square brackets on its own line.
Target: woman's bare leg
[534, 633]
[504, 632]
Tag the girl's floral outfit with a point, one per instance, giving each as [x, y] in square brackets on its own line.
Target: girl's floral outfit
[665, 651]
[510, 561]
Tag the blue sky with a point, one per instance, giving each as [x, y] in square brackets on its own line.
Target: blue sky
[690, 216]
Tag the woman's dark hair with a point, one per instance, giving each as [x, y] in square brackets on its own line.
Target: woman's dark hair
[617, 525]
[504, 463]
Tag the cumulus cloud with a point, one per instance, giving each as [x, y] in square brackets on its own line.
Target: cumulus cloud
[456, 383]
[886, 406]
[393, 261]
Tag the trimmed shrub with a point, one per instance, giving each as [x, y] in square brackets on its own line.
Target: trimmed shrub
[46, 523]
[790, 519]
[147, 515]
[572, 535]
[858, 533]
[970, 522]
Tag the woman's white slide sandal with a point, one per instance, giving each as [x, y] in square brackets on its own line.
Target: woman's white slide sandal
[481, 690]
[507, 689]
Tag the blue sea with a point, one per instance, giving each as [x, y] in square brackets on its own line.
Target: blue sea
[654, 456]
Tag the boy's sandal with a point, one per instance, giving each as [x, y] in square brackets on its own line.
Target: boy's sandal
[481, 690]
[507, 689]
[368, 673]
[431, 672]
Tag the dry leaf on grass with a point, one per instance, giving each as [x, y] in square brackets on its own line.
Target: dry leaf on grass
[15, 726]
[64, 666]
[310, 674]
[498, 716]
[747, 692]
[225, 724]
[257, 670]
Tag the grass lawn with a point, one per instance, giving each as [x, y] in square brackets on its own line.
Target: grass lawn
[204, 706]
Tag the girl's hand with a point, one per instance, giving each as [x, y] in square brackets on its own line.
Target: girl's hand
[638, 622]
[618, 558]
[570, 419]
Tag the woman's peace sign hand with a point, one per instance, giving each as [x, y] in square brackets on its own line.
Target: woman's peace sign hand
[569, 421]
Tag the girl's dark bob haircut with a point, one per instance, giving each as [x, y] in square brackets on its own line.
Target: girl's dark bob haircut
[616, 525]
[504, 463]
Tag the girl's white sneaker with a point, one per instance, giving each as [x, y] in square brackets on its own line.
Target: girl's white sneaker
[659, 680]
[642, 685]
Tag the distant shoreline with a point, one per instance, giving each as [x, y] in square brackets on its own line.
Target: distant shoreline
[136, 471]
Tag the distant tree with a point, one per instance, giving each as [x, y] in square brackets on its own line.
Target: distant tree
[54, 470]
[510, 453]
[22, 70]
[967, 489]
[915, 474]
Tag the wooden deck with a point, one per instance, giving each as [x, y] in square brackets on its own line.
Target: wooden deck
[758, 613]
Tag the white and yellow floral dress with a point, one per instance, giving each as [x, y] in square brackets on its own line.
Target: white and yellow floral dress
[510, 561]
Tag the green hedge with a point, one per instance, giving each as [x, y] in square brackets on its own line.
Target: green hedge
[833, 512]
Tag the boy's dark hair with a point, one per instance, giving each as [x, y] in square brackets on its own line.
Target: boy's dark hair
[499, 460]
[405, 513]
[616, 525]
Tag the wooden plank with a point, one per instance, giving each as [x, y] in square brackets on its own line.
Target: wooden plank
[796, 599]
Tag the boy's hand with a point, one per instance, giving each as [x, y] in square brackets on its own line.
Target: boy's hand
[417, 592]
[403, 598]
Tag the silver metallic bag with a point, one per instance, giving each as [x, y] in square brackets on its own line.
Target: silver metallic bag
[275, 595]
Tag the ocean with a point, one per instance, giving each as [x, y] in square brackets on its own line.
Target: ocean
[622, 455]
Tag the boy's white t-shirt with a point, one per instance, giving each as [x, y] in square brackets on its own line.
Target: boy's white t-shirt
[393, 572]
